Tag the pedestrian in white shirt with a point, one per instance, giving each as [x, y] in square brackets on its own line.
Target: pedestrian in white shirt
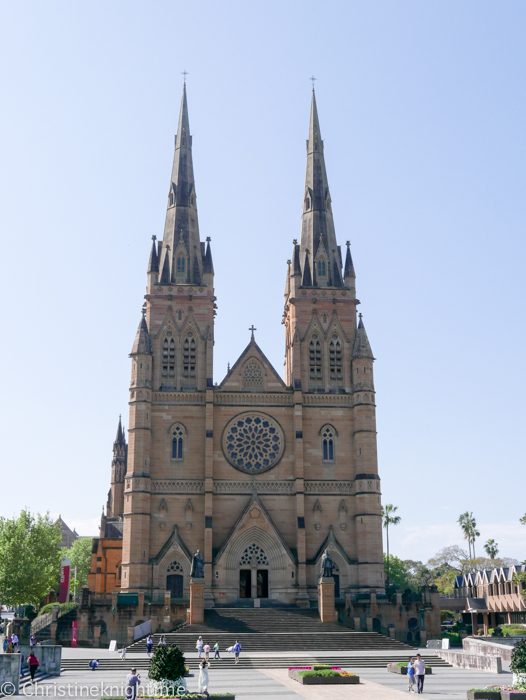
[420, 673]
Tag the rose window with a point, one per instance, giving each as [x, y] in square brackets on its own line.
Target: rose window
[253, 443]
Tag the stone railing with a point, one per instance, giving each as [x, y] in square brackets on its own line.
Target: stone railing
[40, 622]
[184, 397]
[256, 399]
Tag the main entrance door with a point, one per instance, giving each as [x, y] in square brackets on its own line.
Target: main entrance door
[262, 583]
[174, 583]
[245, 583]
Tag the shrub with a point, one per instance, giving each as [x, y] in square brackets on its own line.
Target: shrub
[320, 667]
[325, 673]
[62, 608]
[167, 664]
[518, 657]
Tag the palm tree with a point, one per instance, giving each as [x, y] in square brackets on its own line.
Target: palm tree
[473, 532]
[464, 522]
[492, 549]
[388, 518]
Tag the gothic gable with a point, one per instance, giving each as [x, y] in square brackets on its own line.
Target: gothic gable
[255, 528]
[252, 372]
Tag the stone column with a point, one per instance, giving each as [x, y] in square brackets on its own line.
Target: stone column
[485, 623]
[326, 607]
[167, 617]
[197, 587]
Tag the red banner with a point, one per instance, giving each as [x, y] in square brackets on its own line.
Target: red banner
[63, 591]
[74, 634]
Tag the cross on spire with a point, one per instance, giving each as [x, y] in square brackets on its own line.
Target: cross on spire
[252, 329]
[184, 74]
[313, 79]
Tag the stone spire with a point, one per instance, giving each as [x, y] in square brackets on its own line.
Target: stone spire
[317, 226]
[362, 347]
[181, 255]
[142, 344]
[119, 439]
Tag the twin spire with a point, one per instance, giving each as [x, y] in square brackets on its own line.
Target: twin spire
[181, 258]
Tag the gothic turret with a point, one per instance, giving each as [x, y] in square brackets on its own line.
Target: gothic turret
[181, 258]
[362, 347]
[115, 504]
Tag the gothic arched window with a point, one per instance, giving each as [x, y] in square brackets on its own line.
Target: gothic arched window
[181, 265]
[169, 356]
[253, 376]
[315, 362]
[177, 442]
[189, 356]
[328, 435]
[322, 268]
[335, 360]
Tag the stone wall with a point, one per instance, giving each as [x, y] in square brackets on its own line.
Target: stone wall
[472, 645]
[10, 673]
[49, 656]
[475, 662]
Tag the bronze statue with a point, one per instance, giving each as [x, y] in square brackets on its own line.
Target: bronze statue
[327, 565]
[198, 566]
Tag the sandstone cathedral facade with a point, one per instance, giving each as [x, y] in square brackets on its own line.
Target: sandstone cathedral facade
[259, 473]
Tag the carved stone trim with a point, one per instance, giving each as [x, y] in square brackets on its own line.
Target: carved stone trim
[261, 487]
[327, 487]
[177, 486]
[178, 397]
[327, 400]
[248, 399]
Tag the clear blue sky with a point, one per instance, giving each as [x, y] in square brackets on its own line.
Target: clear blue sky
[422, 109]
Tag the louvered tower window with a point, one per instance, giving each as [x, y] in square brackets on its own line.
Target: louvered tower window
[169, 356]
[335, 361]
[189, 356]
[315, 362]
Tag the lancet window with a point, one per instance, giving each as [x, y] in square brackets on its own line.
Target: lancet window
[181, 265]
[328, 443]
[177, 442]
[168, 356]
[189, 354]
[335, 361]
[322, 268]
[315, 369]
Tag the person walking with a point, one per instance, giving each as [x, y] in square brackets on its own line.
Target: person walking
[32, 640]
[123, 654]
[237, 650]
[133, 679]
[420, 673]
[411, 675]
[202, 686]
[199, 647]
[206, 649]
[33, 664]
[216, 651]
[14, 641]
[149, 645]
[162, 641]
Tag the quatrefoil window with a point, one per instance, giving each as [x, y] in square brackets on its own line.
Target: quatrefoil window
[253, 443]
[253, 552]
[175, 567]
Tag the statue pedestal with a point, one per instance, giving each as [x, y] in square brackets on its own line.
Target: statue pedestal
[326, 606]
[196, 613]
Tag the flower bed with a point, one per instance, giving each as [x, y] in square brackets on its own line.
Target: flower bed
[323, 676]
[401, 668]
[474, 694]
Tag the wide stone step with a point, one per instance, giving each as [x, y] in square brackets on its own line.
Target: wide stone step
[255, 662]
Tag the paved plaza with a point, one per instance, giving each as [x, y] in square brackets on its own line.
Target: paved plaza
[268, 684]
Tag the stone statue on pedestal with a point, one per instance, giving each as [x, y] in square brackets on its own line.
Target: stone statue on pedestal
[198, 566]
[327, 565]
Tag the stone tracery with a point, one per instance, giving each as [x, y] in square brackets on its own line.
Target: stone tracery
[253, 443]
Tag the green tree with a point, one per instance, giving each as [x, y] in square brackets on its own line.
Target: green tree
[80, 555]
[418, 574]
[29, 558]
[523, 520]
[491, 548]
[389, 518]
[396, 570]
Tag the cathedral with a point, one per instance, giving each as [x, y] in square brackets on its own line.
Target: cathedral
[261, 473]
